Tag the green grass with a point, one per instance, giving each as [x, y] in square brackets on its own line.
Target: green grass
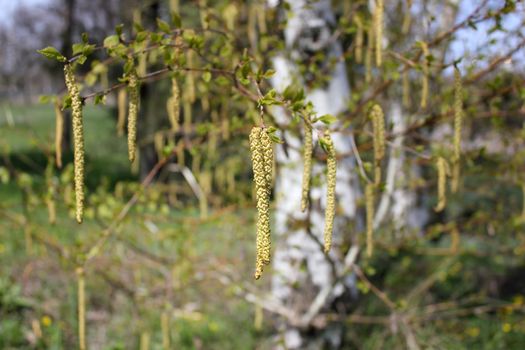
[39, 285]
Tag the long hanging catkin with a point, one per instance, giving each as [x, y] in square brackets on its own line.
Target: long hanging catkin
[59, 130]
[331, 167]
[307, 169]
[369, 53]
[443, 171]
[134, 98]
[173, 105]
[407, 20]
[369, 201]
[458, 121]
[425, 77]
[78, 140]
[359, 39]
[259, 150]
[378, 29]
[378, 124]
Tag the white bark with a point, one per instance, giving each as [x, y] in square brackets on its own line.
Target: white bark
[296, 248]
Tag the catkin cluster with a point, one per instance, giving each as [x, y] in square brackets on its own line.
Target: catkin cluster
[378, 29]
[378, 125]
[407, 20]
[173, 105]
[424, 81]
[369, 53]
[458, 123]
[369, 203]
[331, 167]
[78, 139]
[59, 130]
[443, 171]
[133, 109]
[307, 170]
[262, 163]
[359, 39]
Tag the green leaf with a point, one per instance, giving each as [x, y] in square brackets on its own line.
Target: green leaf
[327, 119]
[44, 99]
[176, 20]
[163, 26]
[100, 99]
[111, 41]
[206, 76]
[52, 53]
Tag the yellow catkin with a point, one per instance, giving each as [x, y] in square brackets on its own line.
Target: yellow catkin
[263, 243]
[443, 170]
[523, 201]
[378, 123]
[307, 170]
[51, 193]
[458, 121]
[189, 88]
[165, 327]
[78, 140]
[174, 6]
[425, 77]
[369, 202]
[331, 167]
[359, 39]
[378, 29]
[121, 105]
[406, 89]
[133, 110]
[181, 161]
[158, 142]
[369, 53]
[407, 19]
[188, 116]
[81, 301]
[259, 318]
[59, 131]
[173, 105]
[144, 341]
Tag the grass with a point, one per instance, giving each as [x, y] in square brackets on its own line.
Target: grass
[157, 258]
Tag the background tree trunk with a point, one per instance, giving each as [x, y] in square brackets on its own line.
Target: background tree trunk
[301, 269]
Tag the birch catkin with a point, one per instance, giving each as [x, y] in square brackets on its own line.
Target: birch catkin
[378, 124]
[81, 301]
[359, 39]
[133, 86]
[307, 170]
[408, 17]
[424, 81]
[458, 123]
[378, 29]
[173, 105]
[259, 150]
[369, 202]
[443, 171]
[369, 53]
[78, 140]
[121, 104]
[331, 167]
[59, 131]
[458, 113]
[406, 89]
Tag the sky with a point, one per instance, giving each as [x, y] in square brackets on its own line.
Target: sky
[7, 7]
